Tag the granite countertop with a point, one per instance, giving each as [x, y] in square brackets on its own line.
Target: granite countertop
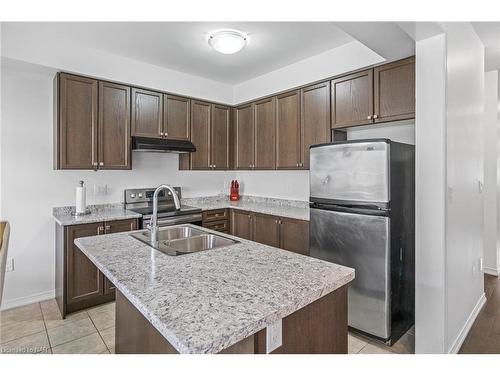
[103, 212]
[272, 206]
[115, 211]
[205, 302]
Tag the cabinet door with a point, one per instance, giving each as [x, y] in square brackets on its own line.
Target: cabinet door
[352, 100]
[288, 131]
[265, 134]
[77, 127]
[176, 114]
[116, 226]
[147, 112]
[395, 91]
[244, 137]
[294, 235]
[114, 126]
[84, 281]
[266, 230]
[241, 224]
[220, 136]
[315, 121]
[200, 134]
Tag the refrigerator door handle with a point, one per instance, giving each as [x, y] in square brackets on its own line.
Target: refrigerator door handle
[364, 210]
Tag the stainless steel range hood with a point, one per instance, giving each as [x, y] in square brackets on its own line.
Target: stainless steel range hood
[161, 145]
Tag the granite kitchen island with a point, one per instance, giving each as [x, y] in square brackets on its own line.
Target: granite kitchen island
[226, 300]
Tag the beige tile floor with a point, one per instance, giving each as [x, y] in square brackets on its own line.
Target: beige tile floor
[358, 344]
[39, 328]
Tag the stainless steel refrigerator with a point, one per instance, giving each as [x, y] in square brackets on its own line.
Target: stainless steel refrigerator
[362, 200]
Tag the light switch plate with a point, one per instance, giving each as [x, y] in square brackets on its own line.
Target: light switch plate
[274, 336]
[9, 266]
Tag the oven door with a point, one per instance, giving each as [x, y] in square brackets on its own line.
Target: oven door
[195, 219]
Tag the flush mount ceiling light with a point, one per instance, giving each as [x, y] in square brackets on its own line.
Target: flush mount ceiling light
[227, 41]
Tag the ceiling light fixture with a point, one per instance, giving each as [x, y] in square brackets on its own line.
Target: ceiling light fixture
[227, 41]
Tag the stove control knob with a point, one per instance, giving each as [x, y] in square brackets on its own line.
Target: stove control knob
[132, 195]
[140, 195]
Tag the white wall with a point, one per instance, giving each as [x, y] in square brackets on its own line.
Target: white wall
[30, 187]
[348, 57]
[430, 195]
[21, 43]
[491, 155]
[449, 203]
[398, 131]
[464, 167]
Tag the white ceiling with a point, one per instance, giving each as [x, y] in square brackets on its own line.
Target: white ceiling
[182, 45]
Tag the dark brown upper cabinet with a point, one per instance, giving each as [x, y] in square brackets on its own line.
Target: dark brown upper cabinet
[220, 137]
[76, 122]
[394, 85]
[176, 114]
[147, 113]
[200, 134]
[315, 118]
[352, 100]
[244, 137]
[265, 134]
[288, 131]
[114, 126]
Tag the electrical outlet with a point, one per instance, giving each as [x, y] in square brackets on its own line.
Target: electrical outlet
[100, 189]
[9, 267]
[274, 336]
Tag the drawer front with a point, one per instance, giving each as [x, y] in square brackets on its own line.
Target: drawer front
[220, 226]
[215, 215]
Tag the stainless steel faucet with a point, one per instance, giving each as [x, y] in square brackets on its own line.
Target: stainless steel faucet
[153, 226]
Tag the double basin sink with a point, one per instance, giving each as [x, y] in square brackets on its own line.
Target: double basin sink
[183, 239]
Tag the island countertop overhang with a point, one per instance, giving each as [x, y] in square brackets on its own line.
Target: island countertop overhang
[207, 301]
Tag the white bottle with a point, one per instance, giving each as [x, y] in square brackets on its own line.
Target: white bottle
[81, 204]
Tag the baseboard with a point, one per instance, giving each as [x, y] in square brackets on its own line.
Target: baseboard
[21, 301]
[491, 271]
[457, 344]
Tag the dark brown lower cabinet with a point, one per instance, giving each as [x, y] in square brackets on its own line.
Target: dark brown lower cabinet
[285, 233]
[79, 284]
[216, 220]
[84, 281]
[241, 224]
[266, 230]
[294, 235]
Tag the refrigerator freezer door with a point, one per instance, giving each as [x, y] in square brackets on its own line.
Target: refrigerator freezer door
[363, 243]
[351, 172]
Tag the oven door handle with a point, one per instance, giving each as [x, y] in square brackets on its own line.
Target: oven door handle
[184, 219]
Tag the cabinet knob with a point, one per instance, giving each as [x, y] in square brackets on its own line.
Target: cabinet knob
[298, 164]
[162, 134]
[108, 227]
[375, 116]
[369, 117]
[101, 163]
[166, 134]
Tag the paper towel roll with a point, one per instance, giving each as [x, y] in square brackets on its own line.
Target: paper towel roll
[81, 205]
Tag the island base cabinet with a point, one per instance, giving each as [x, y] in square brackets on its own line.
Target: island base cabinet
[318, 328]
